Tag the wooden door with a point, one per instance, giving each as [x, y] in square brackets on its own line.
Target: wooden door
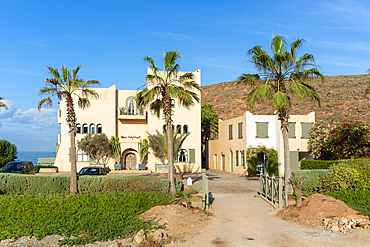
[130, 161]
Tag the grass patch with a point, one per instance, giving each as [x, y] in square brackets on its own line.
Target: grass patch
[356, 199]
[89, 217]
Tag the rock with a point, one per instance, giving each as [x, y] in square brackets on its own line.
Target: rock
[139, 237]
[159, 236]
[363, 223]
[335, 228]
[343, 221]
[333, 221]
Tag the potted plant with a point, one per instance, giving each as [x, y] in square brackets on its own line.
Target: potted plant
[143, 152]
[116, 152]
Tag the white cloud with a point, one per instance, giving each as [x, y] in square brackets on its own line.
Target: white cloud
[38, 120]
[20, 71]
[9, 112]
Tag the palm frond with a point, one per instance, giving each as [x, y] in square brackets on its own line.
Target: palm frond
[46, 102]
[54, 72]
[66, 75]
[83, 103]
[91, 82]
[249, 79]
[156, 107]
[75, 71]
[252, 97]
[280, 100]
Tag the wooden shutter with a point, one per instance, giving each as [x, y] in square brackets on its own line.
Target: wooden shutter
[262, 130]
[240, 130]
[294, 162]
[306, 130]
[192, 155]
[292, 130]
[237, 157]
[230, 132]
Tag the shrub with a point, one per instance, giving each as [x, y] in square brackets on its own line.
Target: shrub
[345, 140]
[313, 179]
[15, 184]
[356, 199]
[317, 164]
[8, 152]
[341, 177]
[271, 155]
[89, 218]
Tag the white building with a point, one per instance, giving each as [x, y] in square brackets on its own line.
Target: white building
[235, 135]
[115, 113]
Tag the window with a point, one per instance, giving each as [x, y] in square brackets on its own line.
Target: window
[192, 155]
[262, 130]
[242, 158]
[185, 129]
[230, 132]
[182, 156]
[178, 128]
[85, 129]
[291, 132]
[306, 130]
[78, 127]
[237, 157]
[172, 103]
[81, 156]
[99, 129]
[164, 128]
[240, 130]
[231, 161]
[92, 128]
[131, 106]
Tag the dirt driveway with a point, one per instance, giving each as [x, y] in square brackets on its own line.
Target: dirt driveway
[241, 218]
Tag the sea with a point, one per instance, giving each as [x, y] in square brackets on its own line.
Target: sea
[33, 155]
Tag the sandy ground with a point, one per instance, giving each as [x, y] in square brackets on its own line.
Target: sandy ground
[242, 218]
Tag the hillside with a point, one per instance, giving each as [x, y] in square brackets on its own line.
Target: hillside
[343, 97]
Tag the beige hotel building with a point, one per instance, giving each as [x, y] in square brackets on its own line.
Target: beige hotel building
[115, 113]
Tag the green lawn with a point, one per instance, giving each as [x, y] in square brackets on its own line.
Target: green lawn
[356, 199]
[98, 216]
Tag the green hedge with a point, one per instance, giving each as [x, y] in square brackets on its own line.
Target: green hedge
[37, 167]
[16, 184]
[313, 180]
[356, 199]
[87, 217]
[317, 164]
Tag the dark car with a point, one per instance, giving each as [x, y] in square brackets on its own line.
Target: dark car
[20, 167]
[92, 171]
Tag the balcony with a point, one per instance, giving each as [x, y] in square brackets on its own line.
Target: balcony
[131, 113]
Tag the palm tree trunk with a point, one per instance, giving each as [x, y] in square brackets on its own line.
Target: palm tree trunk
[71, 120]
[73, 185]
[287, 168]
[167, 109]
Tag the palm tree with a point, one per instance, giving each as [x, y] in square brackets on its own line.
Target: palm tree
[2, 104]
[159, 143]
[209, 123]
[65, 87]
[280, 76]
[161, 88]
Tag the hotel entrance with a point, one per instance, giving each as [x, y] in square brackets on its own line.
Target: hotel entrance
[130, 161]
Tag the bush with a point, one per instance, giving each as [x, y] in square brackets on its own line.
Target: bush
[15, 184]
[271, 155]
[341, 177]
[8, 152]
[345, 140]
[89, 218]
[317, 164]
[356, 199]
[313, 179]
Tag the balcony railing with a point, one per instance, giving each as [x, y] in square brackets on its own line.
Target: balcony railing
[123, 111]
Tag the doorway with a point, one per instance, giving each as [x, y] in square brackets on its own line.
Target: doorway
[130, 161]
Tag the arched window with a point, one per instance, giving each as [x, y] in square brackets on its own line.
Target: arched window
[164, 128]
[99, 129]
[172, 103]
[81, 156]
[85, 129]
[182, 156]
[178, 128]
[78, 128]
[92, 129]
[186, 129]
[131, 106]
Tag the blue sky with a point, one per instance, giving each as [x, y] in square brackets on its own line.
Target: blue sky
[111, 38]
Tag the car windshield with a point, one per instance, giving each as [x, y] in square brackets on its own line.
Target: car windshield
[13, 168]
[89, 171]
